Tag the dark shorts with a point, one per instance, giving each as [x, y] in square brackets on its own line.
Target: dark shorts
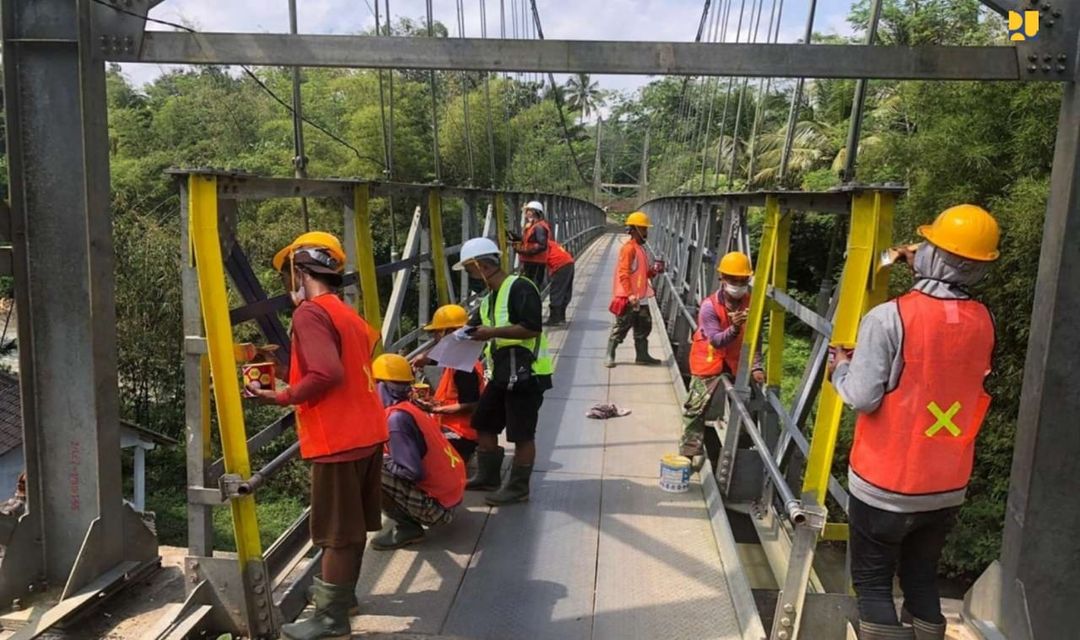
[516, 411]
[346, 501]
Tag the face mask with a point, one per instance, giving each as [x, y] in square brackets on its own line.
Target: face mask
[736, 291]
[299, 295]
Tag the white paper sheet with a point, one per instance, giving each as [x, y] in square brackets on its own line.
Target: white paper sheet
[457, 351]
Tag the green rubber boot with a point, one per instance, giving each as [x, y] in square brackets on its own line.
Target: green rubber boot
[928, 630]
[331, 617]
[399, 534]
[516, 488]
[488, 470]
[643, 357]
[609, 361]
[872, 631]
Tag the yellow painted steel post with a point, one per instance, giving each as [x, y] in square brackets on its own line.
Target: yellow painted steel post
[364, 246]
[438, 246]
[762, 271]
[203, 213]
[871, 226]
[500, 230]
[774, 370]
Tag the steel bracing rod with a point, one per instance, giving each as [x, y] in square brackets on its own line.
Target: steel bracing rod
[260, 477]
[796, 100]
[434, 101]
[858, 102]
[581, 56]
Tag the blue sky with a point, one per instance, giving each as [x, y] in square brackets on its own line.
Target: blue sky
[662, 20]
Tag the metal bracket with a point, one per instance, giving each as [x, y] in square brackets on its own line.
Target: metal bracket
[118, 27]
[1052, 53]
[243, 598]
[229, 483]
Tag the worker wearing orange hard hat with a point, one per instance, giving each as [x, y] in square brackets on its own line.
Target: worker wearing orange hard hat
[916, 380]
[631, 292]
[340, 423]
[716, 346]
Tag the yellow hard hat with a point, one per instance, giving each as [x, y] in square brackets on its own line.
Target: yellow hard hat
[966, 230]
[638, 219]
[448, 316]
[392, 367]
[735, 264]
[315, 240]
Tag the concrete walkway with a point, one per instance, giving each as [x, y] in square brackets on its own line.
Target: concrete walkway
[599, 552]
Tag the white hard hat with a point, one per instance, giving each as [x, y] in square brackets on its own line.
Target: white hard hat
[475, 248]
[535, 206]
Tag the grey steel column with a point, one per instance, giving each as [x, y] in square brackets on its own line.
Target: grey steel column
[1039, 555]
[63, 249]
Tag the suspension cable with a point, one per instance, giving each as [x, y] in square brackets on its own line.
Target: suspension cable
[708, 85]
[858, 102]
[796, 101]
[698, 128]
[506, 97]
[558, 100]
[762, 93]
[487, 99]
[465, 99]
[389, 132]
[742, 95]
[727, 102]
[715, 85]
[434, 101]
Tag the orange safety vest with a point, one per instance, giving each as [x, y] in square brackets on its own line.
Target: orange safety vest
[350, 415]
[921, 438]
[446, 393]
[639, 273]
[705, 359]
[444, 470]
[526, 240]
[557, 256]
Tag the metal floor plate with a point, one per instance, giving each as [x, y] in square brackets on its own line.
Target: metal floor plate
[599, 552]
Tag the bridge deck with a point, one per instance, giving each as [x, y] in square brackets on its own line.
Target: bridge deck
[600, 551]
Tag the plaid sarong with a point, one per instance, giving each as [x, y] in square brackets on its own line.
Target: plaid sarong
[404, 496]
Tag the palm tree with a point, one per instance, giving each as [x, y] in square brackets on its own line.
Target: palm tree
[583, 95]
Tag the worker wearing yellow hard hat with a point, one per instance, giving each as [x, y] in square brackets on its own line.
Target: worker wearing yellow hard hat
[631, 292]
[716, 346]
[459, 391]
[916, 381]
[340, 423]
[423, 477]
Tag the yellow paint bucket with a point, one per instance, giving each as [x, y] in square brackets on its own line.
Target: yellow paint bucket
[675, 473]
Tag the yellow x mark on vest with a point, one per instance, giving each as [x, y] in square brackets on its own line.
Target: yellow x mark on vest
[944, 419]
[452, 454]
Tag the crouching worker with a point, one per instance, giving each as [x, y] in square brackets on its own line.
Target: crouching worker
[716, 347]
[459, 391]
[423, 477]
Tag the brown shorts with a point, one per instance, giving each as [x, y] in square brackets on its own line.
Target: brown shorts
[346, 501]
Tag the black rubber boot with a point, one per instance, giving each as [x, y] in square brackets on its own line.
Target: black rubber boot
[928, 630]
[609, 360]
[872, 631]
[488, 470]
[331, 617]
[516, 488]
[400, 533]
[642, 349]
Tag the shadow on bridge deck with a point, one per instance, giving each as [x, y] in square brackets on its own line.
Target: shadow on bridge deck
[600, 551]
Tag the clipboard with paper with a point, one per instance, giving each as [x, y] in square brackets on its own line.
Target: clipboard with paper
[457, 351]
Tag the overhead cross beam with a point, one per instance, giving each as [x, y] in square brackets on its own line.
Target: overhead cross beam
[579, 56]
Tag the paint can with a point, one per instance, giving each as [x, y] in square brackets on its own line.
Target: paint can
[675, 473]
[260, 375]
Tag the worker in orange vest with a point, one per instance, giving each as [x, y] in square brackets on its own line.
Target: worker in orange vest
[916, 380]
[339, 421]
[458, 392]
[532, 249]
[423, 476]
[631, 292]
[560, 266]
[716, 346]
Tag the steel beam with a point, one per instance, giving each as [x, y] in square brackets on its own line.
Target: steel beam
[580, 56]
[64, 264]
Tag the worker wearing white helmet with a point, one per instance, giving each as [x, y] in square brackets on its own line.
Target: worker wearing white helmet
[510, 320]
[532, 249]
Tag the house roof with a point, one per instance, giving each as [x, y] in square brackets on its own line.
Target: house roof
[11, 435]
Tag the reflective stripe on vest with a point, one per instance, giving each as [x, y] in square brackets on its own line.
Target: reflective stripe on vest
[542, 364]
[444, 470]
[526, 240]
[446, 393]
[705, 359]
[921, 439]
[639, 274]
[557, 256]
[348, 416]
